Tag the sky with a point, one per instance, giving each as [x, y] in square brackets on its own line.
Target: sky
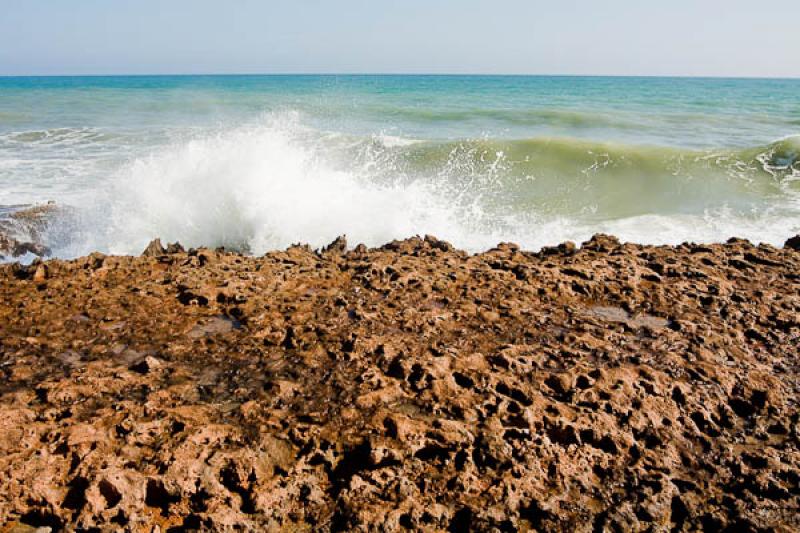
[581, 37]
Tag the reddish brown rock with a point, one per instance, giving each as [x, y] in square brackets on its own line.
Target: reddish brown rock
[409, 387]
[154, 249]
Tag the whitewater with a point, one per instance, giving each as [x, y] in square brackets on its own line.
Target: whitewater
[259, 163]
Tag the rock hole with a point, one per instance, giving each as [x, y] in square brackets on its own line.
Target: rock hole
[535, 515]
[416, 375]
[482, 457]
[406, 521]
[230, 480]
[516, 421]
[515, 434]
[703, 424]
[198, 501]
[461, 521]
[514, 394]
[759, 399]
[463, 380]
[644, 515]
[120, 519]
[110, 493]
[563, 435]
[76, 495]
[741, 407]
[461, 460]
[601, 472]
[192, 522]
[189, 298]
[349, 465]
[755, 461]
[433, 452]
[608, 445]
[40, 518]
[395, 369]
[777, 429]
[391, 428]
[157, 496]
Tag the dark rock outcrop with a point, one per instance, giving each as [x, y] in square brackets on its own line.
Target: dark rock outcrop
[22, 229]
[154, 249]
[338, 246]
[410, 387]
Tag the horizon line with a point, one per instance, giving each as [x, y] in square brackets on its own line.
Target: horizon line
[386, 74]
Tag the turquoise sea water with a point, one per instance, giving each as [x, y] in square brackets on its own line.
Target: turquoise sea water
[259, 162]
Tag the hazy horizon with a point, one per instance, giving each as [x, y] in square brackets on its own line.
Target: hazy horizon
[389, 74]
[574, 38]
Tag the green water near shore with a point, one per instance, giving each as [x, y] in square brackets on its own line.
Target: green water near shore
[271, 160]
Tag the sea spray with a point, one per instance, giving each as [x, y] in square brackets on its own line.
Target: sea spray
[255, 163]
[267, 185]
[260, 187]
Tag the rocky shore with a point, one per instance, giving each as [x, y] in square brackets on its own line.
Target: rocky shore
[606, 387]
[21, 228]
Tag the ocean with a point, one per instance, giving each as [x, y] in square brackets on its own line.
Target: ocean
[256, 163]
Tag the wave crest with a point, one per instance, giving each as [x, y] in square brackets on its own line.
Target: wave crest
[270, 184]
[265, 187]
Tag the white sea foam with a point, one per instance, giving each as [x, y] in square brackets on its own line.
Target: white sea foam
[264, 187]
[393, 141]
[267, 185]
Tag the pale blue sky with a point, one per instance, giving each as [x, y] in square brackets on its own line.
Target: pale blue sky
[621, 37]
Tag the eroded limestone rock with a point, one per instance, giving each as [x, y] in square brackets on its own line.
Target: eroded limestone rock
[408, 387]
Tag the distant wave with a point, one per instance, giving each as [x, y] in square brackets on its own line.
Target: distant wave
[561, 119]
[526, 117]
[56, 136]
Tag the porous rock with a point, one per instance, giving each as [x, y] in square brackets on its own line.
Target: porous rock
[409, 387]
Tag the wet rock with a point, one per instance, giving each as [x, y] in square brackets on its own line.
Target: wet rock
[175, 248]
[338, 246]
[793, 243]
[94, 261]
[10, 246]
[438, 244]
[154, 249]
[22, 228]
[601, 243]
[565, 248]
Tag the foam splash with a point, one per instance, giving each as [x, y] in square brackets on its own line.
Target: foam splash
[267, 185]
[264, 187]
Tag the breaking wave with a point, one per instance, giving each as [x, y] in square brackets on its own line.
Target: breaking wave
[276, 182]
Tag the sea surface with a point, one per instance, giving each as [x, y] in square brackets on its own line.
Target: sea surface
[259, 162]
